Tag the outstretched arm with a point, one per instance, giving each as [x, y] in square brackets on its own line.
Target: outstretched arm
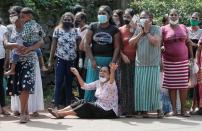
[90, 86]
[79, 78]
[113, 68]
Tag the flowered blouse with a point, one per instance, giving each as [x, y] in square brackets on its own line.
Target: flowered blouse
[66, 45]
[32, 33]
[107, 95]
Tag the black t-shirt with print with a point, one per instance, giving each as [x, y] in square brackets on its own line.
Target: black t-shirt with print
[102, 41]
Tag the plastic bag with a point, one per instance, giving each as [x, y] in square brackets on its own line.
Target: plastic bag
[193, 70]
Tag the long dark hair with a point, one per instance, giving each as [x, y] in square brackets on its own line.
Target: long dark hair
[119, 12]
[60, 25]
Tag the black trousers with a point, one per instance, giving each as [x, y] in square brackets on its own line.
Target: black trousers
[2, 93]
[89, 110]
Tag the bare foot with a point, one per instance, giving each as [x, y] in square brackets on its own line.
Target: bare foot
[10, 72]
[55, 113]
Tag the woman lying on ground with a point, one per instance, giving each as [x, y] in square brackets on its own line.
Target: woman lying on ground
[106, 105]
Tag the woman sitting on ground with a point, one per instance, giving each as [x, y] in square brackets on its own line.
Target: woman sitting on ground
[106, 105]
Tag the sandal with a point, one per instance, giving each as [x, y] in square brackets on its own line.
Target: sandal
[35, 114]
[54, 113]
[185, 114]
[23, 119]
[16, 113]
[4, 112]
[145, 114]
[138, 115]
[160, 115]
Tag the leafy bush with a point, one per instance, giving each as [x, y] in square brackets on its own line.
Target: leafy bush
[161, 7]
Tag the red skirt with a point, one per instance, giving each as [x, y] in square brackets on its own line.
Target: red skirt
[176, 74]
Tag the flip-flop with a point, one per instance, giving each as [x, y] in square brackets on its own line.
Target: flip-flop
[160, 115]
[185, 114]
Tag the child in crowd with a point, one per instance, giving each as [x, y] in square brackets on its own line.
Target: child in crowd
[32, 33]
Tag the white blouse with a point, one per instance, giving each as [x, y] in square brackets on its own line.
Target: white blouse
[107, 95]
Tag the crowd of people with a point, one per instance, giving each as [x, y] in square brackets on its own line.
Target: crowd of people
[124, 64]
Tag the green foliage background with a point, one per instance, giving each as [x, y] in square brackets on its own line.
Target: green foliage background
[161, 7]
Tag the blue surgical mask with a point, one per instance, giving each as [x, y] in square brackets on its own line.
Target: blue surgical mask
[102, 19]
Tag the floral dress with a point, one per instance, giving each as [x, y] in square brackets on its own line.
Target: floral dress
[24, 78]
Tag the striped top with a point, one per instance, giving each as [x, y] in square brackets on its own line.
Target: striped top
[148, 54]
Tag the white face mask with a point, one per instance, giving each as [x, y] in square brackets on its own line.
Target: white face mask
[174, 22]
[142, 21]
[13, 19]
[102, 79]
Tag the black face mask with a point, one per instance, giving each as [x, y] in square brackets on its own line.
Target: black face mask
[67, 25]
[126, 22]
[76, 23]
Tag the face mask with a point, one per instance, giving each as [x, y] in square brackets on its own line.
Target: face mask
[142, 21]
[77, 23]
[126, 21]
[102, 79]
[67, 25]
[174, 22]
[102, 19]
[194, 22]
[13, 19]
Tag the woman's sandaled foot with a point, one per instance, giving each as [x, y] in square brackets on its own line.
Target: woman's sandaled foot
[168, 114]
[5, 112]
[23, 119]
[55, 113]
[173, 113]
[35, 114]
[16, 113]
[185, 114]
[160, 114]
[138, 115]
[145, 114]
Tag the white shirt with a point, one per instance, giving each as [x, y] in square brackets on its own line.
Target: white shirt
[194, 34]
[107, 95]
[3, 30]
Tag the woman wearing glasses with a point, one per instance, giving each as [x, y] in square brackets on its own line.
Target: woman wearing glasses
[105, 39]
[64, 45]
